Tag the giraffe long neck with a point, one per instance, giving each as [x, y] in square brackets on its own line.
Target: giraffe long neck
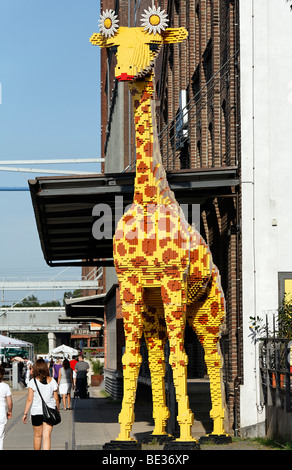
[151, 185]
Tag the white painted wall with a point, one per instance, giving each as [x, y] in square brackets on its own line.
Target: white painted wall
[266, 129]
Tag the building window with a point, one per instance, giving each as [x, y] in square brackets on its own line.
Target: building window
[285, 286]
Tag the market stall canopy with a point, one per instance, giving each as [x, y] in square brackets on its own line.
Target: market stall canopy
[6, 342]
[64, 350]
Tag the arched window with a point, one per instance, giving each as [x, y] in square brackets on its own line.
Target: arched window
[210, 146]
[223, 134]
[209, 19]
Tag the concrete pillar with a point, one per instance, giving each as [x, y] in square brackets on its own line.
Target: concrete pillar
[15, 374]
[52, 341]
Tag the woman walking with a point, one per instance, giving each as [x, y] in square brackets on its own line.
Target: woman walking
[48, 389]
[56, 367]
[65, 382]
[5, 405]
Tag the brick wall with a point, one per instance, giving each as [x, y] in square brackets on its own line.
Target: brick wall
[204, 66]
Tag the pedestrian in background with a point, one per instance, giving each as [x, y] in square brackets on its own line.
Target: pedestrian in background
[28, 371]
[5, 405]
[51, 365]
[73, 363]
[56, 367]
[81, 368]
[48, 389]
[65, 382]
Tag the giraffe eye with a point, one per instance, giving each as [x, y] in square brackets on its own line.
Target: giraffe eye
[154, 20]
[108, 23]
[154, 47]
[114, 49]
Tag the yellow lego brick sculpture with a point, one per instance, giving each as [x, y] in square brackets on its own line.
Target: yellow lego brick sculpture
[164, 267]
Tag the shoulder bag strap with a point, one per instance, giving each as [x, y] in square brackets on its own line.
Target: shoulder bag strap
[38, 389]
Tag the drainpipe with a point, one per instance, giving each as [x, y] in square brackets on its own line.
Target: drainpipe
[129, 100]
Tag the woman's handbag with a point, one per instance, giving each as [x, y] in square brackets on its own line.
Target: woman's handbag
[51, 415]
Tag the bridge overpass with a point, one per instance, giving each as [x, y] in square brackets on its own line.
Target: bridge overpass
[33, 320]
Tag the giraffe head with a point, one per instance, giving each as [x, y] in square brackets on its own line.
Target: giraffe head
[137, 47]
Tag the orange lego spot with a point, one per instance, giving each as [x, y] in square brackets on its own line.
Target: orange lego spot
[139, 261]
[214, 330]
[180, 241]
[174, 285]
[148, 149]
[214, 309]
[163, 242]
[138, 156]
[139, 142]
[138, 197]
[121, 249]
[177, 314]
[129, 218]
[194, 256]
[164, 295]
[142, 179]
[150, 191]
[168, 255]
[149, 246]
[142, 167]
[203, 319]
[128, 296]
[171, 271]
[133, 280]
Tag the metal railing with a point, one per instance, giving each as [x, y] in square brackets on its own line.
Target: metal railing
[275, 372]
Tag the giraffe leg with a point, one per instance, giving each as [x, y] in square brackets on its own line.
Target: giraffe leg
[132, 305]
[155, 335]
[206, 319]
[175, 317]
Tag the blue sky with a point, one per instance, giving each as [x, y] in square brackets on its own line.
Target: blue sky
[50, 90]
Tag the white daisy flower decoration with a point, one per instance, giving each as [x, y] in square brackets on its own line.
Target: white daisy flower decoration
[108, 23]
[154, 20]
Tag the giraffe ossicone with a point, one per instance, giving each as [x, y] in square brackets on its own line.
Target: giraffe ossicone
[165, 280]
[108, 23]
[154, 20]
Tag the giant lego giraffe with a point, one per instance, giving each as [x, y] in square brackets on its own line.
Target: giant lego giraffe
[164, 267]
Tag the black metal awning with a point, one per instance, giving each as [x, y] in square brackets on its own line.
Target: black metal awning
[63, 208]
[84, 309]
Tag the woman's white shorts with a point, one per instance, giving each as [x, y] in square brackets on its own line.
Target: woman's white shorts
[64, 389]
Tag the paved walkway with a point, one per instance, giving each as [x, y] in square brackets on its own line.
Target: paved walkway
[92, 423]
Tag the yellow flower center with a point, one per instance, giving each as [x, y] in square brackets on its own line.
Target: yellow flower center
[154, 20]
[107, 23]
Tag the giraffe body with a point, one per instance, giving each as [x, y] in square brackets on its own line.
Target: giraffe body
[164, 267]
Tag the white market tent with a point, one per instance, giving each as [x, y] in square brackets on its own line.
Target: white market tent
[7, 342]
[63, 350]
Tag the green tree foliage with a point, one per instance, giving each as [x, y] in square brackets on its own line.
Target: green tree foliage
[285, 318]
[39, 340]
[72, 295]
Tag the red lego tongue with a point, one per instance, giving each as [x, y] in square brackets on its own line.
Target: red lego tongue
[125, 77]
